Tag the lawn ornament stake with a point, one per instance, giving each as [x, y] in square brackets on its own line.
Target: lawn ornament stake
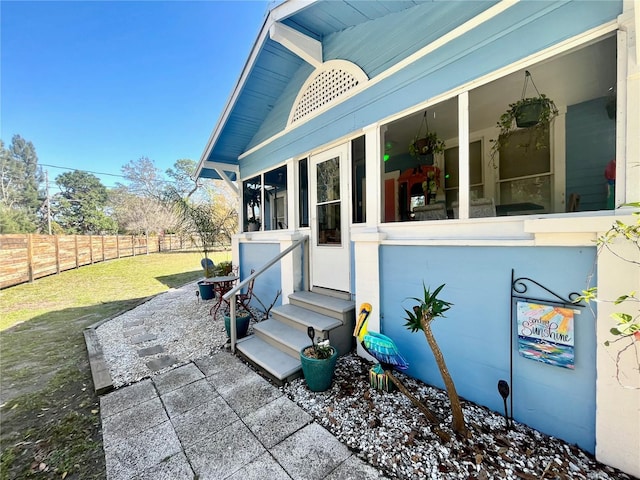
[503, 389]
[385, 351]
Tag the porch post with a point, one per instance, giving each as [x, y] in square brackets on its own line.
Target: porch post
[367, 275]
[618, 380]
[292, 270]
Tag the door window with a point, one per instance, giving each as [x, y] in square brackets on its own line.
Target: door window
[328, 202]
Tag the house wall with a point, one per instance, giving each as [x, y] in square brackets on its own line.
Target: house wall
[591, 144]
[618, 382]
[255, 255]
[490, 46]
[475, 335]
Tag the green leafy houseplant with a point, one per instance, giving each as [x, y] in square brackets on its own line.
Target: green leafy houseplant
[318, 362]
[428, 144]
[626, 332]
[534, 113]
[320, 351]
[428, 308]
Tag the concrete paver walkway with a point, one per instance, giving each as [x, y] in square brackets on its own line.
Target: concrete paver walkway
[216, 418]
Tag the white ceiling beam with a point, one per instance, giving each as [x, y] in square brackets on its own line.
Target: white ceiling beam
[307, 48]
[222, 169]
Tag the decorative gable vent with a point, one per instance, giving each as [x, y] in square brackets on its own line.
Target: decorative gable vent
[325, 86]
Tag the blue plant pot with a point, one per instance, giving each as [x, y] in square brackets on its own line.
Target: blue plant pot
[206, 290]
[242, 325]
[318, 373]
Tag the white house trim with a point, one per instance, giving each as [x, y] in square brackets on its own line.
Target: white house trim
[307, 48]
[331, 83]
[554, 50]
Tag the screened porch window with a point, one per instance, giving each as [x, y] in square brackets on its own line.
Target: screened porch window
[570, 169]
[525, 177]
[265, 201]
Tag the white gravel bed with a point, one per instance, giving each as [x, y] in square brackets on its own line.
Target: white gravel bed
[384, 429]
[183, 326]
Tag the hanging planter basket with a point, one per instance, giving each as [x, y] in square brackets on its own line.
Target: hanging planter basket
[535, 113]
[528, 114]
[426, 144]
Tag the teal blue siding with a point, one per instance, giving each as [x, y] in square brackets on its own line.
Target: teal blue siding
[254, 256]
[522, 30]
[591, 144]
[379, 44]
[475, 335]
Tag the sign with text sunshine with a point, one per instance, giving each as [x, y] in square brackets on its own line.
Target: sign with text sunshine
[545, 333]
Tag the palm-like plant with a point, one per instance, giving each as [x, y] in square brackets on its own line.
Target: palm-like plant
[428, 309]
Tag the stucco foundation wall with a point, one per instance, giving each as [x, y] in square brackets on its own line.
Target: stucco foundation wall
[475, 336]
[254, 255]
[618, 383]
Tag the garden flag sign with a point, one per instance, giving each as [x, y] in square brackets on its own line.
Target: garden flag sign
[545, 333]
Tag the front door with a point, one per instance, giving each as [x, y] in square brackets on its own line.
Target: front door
[330, 263]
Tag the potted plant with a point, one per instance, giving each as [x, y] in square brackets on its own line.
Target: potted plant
[253, 224]
[534, 113]
[426, 144]
[243, 318]
[318, 363]
[223, 269]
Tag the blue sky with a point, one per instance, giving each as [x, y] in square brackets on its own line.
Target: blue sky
[96, 84]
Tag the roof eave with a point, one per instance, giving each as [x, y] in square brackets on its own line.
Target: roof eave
[280, 12]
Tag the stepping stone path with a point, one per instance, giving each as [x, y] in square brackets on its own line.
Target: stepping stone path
[136, 333]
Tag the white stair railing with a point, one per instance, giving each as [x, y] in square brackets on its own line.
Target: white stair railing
[230, 296]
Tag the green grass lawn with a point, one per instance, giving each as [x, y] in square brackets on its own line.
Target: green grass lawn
[50, 413]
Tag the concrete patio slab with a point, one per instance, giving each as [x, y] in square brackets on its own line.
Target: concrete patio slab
[176, 378]
[247, 396]
[263, 467]
[198, 423]
[148, 351]
[132, 455]
[158, 364]
[190, 396]
[125, 398]
[175, 467]
[224, 421]
[355, 469]
[224, 452]
[133, 332]
[134, 420]
[276, 420]
[145, 337]
[311, 453]
[225, 367]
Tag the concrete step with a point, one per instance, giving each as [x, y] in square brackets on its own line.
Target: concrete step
[300, 318]
[323, 304]
[276, 343]
[282, 336]
[276, 363]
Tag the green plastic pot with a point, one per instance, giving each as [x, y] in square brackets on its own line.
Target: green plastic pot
[318, 373]
[242, 325]
[206, 290]
[529, 115]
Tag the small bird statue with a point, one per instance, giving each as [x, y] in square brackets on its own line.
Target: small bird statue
[379, 346]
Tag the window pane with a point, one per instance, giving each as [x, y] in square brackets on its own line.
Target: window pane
[451, 171]
[329, 180]
[329, 224]
[534, 191]
[521, 158]
[275, 188]
[252, 200]
[303, 192]
[358, 175]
